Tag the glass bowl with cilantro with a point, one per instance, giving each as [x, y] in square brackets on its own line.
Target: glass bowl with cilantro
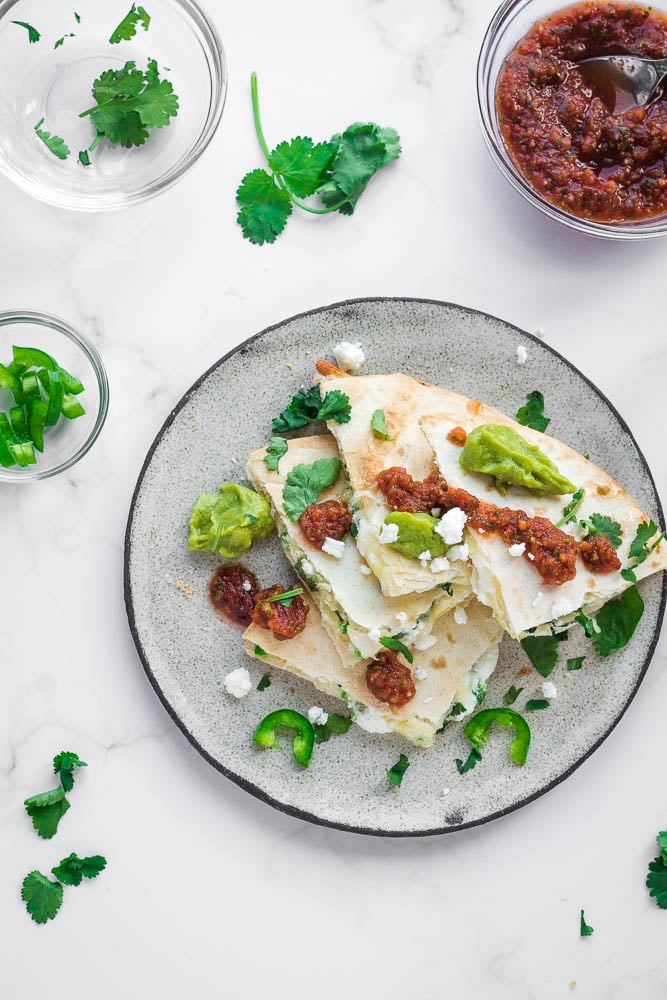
[106, 105]
[54, 396]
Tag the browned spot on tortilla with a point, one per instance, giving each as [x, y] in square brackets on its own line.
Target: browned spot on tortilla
[602, 490]
[326, 368]
[441, 662]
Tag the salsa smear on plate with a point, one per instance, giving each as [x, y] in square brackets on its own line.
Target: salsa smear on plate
[563, 136]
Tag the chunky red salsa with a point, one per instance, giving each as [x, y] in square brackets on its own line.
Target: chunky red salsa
[235, 593]
[563, 135]
[552, 552]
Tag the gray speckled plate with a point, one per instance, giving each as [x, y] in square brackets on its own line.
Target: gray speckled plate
[186, 649]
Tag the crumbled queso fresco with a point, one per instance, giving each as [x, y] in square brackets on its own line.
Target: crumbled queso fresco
[460, 616]
[333, 547]
[349, 357]
[521, 355]
[440, 564]
[317, 716]
[388, 533]
[451, 525]
[517, 550]
[549, 690]
[238, 683]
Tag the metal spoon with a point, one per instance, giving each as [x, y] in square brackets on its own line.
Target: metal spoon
[636, 77]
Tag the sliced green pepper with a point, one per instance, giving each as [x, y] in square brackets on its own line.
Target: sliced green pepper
[32, 357]
[21, 451]
[286, 718]
[6, 457]
[71, 407]
[37, 413]
[71, 383]
[479, 728]
[18, 422]
[30, 386]
[54, 391]
[10, 380]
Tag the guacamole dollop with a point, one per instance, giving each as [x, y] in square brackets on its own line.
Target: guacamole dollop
[229, 521]
[499, 451]
[416, 534]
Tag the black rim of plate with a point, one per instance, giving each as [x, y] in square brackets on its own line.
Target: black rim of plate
[248, 786]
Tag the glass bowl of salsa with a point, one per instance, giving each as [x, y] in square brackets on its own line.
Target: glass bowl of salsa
[598, 168]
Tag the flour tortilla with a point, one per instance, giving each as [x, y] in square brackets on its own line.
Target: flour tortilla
[351, 604]
[404, 402]
[462, 656]
[514, 590]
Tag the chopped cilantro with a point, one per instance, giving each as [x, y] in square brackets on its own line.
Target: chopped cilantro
[617, 621]
[600, 524]
[531, 414]
[396, 772]
[127, 28]
[46, 810]
[585, 930]
[448, 589]
[379, 425]
[575, 662]
[479, 692]
[64, 764]
[265, 681]
[286, 597]
[54, 143]
[535, 704]
[511, 696]
[570, 511]
[588, 624]
[73, 869]
[129, 102]
[259, 651]
[472, 761]
[61, 40]
[334, 724]
[457, 709]
[42, 897]
[640, 548]
[304, 484]
[77, 17]
[84, 158]
[308, 405]
[276, 449]
[33, 33]
[337, 171]
[389, 642]
[542, 651]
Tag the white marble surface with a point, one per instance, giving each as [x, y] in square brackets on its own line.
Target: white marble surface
[208, 892]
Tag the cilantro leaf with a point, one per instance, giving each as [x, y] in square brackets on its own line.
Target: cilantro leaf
[363, 149]
[302, 164]
[129, 103]
[42, 897]
[46, 810]
[617, 621]
[127, 28]
[379, 425]
[396, 772]
[640, 549]
[531, 414]
[33, 33]
[511, 696]
[472, 761]
[265, 208]
[600, 524]
[301, 409]
[570, 511]
[334, 724]
[585, 930]
[656, 881]
[457, 709]
[542, 651]
[157, 103]
[335, 406]
[275, 450]
[265, 682]
[259, 651]
[535, 704]
[575, 662]
[389, 642]
[73, 869]
[304, 484]
[64, 764]
[54, 143]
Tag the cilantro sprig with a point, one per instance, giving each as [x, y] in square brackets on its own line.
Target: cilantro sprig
[337, 171]
[307, 406]
[47, 808]
[656, 879]
[43, 897]
[641, 548]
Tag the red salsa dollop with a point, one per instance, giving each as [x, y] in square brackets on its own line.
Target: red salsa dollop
[564, 136]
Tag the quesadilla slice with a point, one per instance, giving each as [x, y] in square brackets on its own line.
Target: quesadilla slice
[395, 404]
[354, 610]
[450, 676]
[602, 526]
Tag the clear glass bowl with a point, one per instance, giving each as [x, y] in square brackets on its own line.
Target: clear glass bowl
[510, 23]
[40, 81]
[67, 442]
